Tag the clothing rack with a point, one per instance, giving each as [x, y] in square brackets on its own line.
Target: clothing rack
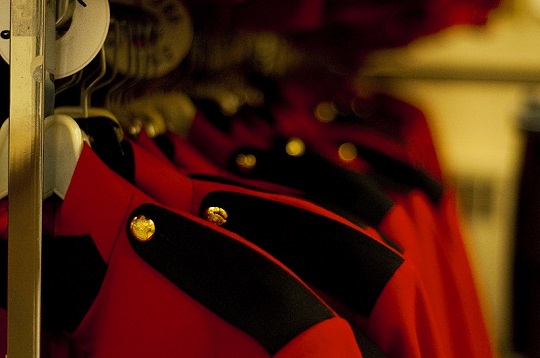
[31, 100]
[28, 87]
[450, 73]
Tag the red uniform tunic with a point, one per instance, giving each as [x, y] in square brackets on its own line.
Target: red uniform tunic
[348, 266]
[193, 290]
[434, 244]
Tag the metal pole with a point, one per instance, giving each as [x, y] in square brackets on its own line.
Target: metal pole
[401, 71]
[29, 79]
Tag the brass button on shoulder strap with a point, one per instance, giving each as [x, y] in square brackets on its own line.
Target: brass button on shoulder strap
[245, 162]
[347, 152]
[326, 111]
[142, 228]
[216, 215]
[295, 147]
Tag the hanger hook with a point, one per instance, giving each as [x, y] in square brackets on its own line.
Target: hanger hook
[114, 71]
[86, 90]
[64, 13]
[73, 81]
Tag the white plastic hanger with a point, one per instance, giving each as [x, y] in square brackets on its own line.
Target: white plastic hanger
[63, 142]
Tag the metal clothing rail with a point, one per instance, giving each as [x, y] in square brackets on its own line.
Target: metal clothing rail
[450, 73]
[28, 78]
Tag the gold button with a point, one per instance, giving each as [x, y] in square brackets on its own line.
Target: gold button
[142, 228]
[216, 215]
[347, 152]
[246, 161]
[295, 147]
[326, 112]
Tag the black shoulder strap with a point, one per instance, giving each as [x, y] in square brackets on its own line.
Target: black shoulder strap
[323, 181]
[236, 282]
[326, 254]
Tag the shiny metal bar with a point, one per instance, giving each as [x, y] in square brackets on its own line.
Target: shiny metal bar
[27, 93]
[450, 73]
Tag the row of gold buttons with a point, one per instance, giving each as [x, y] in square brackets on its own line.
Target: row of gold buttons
[143, 228]
[295, 147]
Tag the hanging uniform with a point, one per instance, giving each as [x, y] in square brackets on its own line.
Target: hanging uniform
[406, 166]
[351, 268]
[434, 213]
[117, 284]
[435, 243]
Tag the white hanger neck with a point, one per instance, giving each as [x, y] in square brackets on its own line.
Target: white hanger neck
[63, 141]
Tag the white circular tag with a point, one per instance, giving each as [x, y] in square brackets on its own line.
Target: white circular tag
[78, 46]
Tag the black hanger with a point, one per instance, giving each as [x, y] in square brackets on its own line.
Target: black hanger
[117, 155]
